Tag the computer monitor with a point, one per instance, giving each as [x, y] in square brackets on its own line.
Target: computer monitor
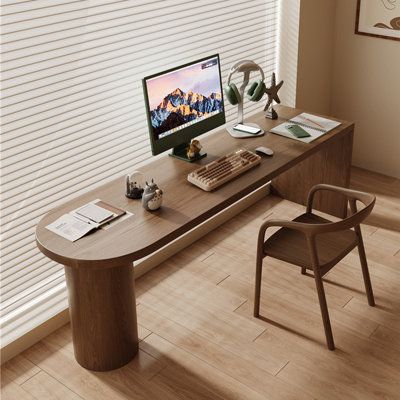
[182, 103]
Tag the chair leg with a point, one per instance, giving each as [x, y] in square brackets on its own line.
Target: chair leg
[257, 291]
[365, 272]
[303, 271]
[324, 310]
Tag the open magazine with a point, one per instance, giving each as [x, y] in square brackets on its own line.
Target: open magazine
[81, 221]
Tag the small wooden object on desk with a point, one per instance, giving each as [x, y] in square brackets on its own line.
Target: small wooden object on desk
[272, 93]
[194, 149]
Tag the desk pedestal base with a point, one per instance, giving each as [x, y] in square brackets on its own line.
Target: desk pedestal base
[102, 307]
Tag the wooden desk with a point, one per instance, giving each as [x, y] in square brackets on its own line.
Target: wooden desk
[98, 267]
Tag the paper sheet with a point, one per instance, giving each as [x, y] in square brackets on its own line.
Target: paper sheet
[69, 227]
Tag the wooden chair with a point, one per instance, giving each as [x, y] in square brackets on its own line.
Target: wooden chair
[315, 243]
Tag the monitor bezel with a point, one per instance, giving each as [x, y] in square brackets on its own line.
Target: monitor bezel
[185, 135]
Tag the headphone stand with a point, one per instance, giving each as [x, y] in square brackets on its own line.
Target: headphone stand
[239, 134]
[243, 135]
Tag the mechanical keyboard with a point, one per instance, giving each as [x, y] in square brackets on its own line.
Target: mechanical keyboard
[224, 169]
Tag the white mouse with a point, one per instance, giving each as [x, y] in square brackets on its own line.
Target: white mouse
[264, 151]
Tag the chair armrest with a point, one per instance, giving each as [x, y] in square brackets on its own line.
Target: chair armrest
[306, 229]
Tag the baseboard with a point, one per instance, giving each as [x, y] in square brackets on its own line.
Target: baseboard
[34, 336]
[141, 267]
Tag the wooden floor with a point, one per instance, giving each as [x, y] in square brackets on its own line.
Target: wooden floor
[200, 341]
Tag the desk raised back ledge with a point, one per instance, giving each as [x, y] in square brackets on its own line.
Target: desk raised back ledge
[98, 266]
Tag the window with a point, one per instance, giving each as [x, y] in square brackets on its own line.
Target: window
[73, 114]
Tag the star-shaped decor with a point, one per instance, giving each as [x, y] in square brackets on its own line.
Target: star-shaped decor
[272, 93]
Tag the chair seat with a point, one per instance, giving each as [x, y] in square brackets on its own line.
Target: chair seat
[290, 245]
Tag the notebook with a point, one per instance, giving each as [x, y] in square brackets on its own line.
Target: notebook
[81, 221]
[94, 213]
[314, 125]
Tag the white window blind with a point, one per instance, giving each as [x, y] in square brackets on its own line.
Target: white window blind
[73, 115]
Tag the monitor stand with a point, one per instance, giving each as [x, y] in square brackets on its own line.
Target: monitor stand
[180, 152]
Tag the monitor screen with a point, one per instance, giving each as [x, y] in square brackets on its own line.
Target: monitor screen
[183, 97]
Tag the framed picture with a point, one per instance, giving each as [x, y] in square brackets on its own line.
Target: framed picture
[379, 18]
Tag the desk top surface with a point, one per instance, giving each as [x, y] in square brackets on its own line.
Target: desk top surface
[184, 206]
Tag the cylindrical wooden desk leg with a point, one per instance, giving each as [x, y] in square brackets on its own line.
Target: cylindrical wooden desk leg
[102, 307]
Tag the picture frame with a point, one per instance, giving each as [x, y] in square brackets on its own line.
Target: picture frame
[378, 18]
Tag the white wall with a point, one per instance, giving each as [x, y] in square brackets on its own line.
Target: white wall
[352, 77]
[366, 89]
[315, 61]
[288, 39]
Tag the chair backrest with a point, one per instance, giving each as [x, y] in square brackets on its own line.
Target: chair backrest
[353, 220]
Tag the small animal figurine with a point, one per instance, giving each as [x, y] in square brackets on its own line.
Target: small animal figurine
[152, 196]
[193, 149]
[133, 188]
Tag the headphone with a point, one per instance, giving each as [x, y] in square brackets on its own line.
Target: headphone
[256, 89]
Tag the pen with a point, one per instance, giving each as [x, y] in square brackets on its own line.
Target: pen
[76, 215]
[310, 120]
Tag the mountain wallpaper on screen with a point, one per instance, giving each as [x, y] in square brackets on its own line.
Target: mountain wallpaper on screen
[179, 107]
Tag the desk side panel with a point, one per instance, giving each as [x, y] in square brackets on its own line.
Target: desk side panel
[332, 165]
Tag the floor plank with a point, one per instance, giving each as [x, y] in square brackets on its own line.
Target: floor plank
[192, 377]
[124, 383]
[19, 369]
[12, 391]
[238, 368]
[43, 386]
